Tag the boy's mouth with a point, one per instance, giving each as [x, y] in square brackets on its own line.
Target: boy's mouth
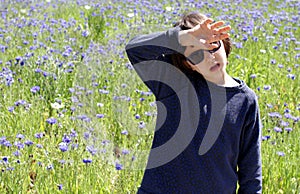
[215, 67]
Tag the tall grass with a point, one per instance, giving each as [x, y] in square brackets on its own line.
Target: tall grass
[89, 126]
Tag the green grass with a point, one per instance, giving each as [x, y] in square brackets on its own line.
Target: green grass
[101, 83]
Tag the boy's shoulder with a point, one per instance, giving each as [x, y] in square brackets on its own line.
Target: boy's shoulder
[249, 92]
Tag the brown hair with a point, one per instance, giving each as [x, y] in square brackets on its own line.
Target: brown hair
[188, 21]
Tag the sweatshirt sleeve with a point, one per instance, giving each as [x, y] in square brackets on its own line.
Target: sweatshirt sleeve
[249, 161]
[150, 56]
[152, 46]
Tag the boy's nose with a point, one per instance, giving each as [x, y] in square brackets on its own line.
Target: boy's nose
[212, 55]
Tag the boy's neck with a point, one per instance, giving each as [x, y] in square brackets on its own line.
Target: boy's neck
[224, 80]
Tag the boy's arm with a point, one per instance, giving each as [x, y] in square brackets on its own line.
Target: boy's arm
[153, 46]
[249, 162]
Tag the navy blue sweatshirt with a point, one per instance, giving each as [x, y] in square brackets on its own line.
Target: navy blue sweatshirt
[207, 137]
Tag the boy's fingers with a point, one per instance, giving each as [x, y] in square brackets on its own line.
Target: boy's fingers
[217, 38]
[224, 30]
[217, 24]
[208, 21]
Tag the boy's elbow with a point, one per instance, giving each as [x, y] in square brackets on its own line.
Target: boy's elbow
[251, 187]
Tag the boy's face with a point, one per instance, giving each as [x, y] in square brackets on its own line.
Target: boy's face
[213, 64]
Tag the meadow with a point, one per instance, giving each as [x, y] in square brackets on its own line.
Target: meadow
[76, 118]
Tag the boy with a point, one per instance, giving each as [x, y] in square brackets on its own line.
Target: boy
[207, 136]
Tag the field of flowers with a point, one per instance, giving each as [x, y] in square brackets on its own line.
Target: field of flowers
[74, 116]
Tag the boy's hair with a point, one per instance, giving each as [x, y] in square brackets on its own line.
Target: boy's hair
[186, 22]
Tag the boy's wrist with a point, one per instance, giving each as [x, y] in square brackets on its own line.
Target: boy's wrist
[176, 43]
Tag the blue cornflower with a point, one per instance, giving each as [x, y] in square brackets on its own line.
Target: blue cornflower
[7, 143]
[277, 129]
[267, 87]
[124, 132]
[84, 118]
[35, 89]
[18, 59]
[66, 139]
[118, 166]
[19, 136]
[39, 135]
[133, 158]
[152, 104]
[49, 167]
[83, 56]
[123, 85]
[100, 116]
[34, 34]
[73, 108]
[275, 114]
[45, 57]
[65, 54]
[74, 146]
[20, 102]
[105, 142]
[125, 151]
[28, 142]
[63, 146]
[291, 76]
[85, 33]
[39, 145]
[10, 168]
[273, 61]
[38, 70]
[239, 45]
[5, 159]
[71, 90]
[91, 149]
[266, 137]
[284, 123]
[17, 153]
[11, 109]
[2, 140]
[87, 160]
[288, 129]
[45, 73]
[280, 66]
[60, 187]
[86, 135]
[51, 120]
[73, 133]
[142, 124]
[19, 145]
[280, 153]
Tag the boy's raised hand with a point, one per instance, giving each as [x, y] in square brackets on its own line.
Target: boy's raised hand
[202, 35]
